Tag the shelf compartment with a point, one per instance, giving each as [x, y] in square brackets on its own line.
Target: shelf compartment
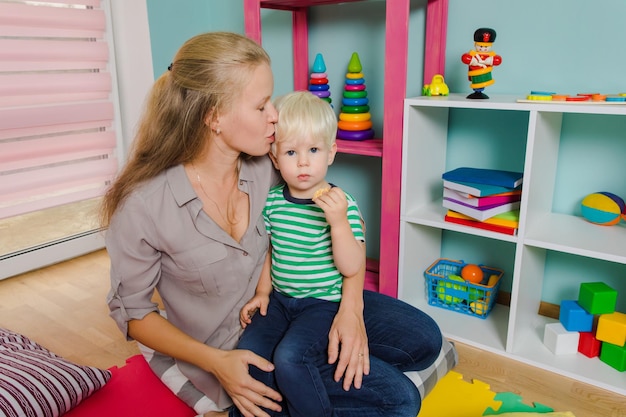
[432, 215]
[576, 366]
[573, 234]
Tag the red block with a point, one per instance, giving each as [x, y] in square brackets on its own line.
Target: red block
[588, 345]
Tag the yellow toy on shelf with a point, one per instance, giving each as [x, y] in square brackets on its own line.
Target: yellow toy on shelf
[437, 87]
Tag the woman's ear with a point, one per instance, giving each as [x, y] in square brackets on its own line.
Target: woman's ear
[212, 121]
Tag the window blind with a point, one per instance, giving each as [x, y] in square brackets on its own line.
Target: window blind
[57, 142]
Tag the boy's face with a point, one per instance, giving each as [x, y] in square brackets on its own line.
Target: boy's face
[303, 163]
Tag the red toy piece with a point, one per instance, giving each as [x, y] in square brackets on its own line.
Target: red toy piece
[481, 61]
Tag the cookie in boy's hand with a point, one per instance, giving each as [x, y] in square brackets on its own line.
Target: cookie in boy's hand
[320, 192]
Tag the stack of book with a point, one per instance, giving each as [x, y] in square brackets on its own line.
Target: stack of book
[487, 199]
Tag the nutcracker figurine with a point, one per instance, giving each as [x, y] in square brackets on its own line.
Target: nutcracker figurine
[481, 61]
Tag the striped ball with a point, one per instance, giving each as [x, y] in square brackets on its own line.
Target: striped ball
[603, 208]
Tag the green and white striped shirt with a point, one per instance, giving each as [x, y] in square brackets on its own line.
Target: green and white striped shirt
[302, 256]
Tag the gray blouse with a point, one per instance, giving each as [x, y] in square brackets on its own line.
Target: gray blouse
[160, 238]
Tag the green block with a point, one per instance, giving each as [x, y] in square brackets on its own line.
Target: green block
[597, 298]
[614, 356]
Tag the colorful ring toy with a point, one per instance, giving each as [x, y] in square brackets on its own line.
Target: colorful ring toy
[355, 134]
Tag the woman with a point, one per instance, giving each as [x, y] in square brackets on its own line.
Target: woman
[184, 219]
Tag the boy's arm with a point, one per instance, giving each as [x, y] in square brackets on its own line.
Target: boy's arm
[264, 286]
[260, 301]
[348, 252]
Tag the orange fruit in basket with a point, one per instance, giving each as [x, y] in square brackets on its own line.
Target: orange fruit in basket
[472, 273]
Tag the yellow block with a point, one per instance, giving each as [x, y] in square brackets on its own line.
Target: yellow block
[612, 328]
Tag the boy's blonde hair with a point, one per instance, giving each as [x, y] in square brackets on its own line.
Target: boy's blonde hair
[302, 114]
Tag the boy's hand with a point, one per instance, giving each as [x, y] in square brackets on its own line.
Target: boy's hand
[334, 204]
[257, 303]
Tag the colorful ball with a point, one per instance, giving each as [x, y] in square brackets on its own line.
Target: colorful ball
[603, 208]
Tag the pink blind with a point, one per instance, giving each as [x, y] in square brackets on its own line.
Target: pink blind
[57, 140]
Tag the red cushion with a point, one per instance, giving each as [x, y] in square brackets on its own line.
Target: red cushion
[133, 391]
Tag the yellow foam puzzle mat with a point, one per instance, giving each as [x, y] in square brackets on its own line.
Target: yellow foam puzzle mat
[455, 397]
[538, 414]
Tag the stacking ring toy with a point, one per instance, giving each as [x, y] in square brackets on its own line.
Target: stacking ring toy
[355, 109]
[363, 125]
[354, 117]
[355, 82]
[318, 87]
[355, 101]
[355, 134]
[355, 94]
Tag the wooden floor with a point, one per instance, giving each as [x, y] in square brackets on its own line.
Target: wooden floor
[63, 308]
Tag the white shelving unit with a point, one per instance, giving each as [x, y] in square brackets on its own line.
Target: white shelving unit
[515, 331]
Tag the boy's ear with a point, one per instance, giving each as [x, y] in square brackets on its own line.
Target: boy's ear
[332, 153]
[273, 158]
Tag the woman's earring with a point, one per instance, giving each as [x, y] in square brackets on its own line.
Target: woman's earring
[218, 131]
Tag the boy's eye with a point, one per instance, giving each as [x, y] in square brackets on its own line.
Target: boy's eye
[314, 150]
[290, 153]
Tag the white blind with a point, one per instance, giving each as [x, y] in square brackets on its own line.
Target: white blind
[57, 140]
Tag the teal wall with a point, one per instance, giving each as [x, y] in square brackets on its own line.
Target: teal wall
[566, 46]
[173, 22]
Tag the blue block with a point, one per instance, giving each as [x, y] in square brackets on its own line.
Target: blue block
[575, 318]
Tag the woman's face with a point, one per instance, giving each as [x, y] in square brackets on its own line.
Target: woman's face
[248, 126]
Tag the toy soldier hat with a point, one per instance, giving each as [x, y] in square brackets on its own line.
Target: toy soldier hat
[485, 35]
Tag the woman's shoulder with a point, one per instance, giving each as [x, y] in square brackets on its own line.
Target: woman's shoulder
[170, 180]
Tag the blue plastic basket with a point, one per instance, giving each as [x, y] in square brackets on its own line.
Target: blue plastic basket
[475, 300]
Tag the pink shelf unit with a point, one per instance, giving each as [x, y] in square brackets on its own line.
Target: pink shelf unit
[382, 275]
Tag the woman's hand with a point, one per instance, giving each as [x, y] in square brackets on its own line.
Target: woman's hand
[230, 367]
[347, 341]
[248, 394]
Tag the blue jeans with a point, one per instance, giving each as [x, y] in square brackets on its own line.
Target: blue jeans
[294, 336]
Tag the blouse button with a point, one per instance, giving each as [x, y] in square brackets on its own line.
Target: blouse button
[245, 253]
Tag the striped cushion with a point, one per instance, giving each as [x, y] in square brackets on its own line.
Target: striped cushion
[37, 382]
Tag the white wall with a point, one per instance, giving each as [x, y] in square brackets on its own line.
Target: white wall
[133, 60]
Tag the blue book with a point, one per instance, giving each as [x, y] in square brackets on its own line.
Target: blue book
[485, 176]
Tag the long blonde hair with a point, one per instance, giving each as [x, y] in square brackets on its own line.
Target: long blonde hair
[208, 72]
